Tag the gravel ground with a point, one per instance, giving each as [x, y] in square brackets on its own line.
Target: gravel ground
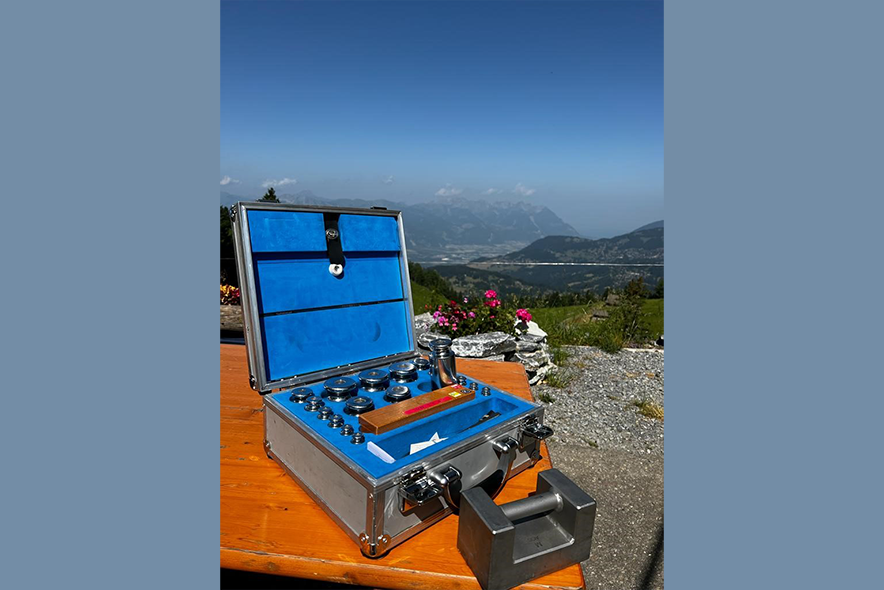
[596, 407]
[615, 453]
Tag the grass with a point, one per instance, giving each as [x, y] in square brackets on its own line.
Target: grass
[649, 409]
[652, 319]
[557, 379]
[573, 325]
[570, 324]
[560, 356]
[546, 398]
[422, 296]
[548, 316]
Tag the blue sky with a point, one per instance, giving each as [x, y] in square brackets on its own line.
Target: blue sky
[555, 103]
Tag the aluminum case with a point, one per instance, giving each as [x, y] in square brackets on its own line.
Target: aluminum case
[376, 512]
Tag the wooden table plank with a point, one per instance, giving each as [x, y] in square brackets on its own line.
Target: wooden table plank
[269, 525]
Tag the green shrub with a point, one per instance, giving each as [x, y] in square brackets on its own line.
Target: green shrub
[560, 356]
[649, 409]
[546, 398]
[610, 338]
[557, 379]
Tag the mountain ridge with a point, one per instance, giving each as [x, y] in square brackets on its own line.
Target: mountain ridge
[569, 263]
[652, 225]
[432, 226]
[639, 246]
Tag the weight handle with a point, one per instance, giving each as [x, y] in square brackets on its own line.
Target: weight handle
[532, 506]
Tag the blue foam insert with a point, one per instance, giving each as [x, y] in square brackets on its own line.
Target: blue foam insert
[303, 342]
[287, 282]
[299, 231]
[291, 266]
[448, 423]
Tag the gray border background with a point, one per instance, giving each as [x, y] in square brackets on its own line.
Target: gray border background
[773, 178]
[110, 142]
[773, 185]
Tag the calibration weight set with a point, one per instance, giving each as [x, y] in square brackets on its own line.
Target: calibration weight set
[385, 441]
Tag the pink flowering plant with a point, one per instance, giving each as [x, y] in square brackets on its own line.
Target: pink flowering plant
[486, 314]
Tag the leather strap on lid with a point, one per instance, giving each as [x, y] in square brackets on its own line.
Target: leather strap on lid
[333, 240]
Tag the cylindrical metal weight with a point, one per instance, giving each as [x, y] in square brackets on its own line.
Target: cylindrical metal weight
[532, 506]
[443, 370]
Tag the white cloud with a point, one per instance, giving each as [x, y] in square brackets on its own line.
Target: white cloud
[523, 190]
[227, 180]
[388, 180]
[492, 191]
[448, 191]
[275, 183]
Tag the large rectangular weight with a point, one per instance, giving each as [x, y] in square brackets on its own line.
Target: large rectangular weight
[508, 545]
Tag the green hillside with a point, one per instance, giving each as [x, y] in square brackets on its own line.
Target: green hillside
[423, 296]
[572, 324]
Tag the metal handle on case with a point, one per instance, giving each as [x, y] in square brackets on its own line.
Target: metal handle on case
[452, 482]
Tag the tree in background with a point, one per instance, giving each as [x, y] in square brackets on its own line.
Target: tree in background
[228, 272]
[658, 290]
[226, 234]
[628, 313]
[270, 196]
[636, 288]
[432, 280]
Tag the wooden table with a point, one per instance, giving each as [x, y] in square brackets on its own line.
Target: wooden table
[269, 525]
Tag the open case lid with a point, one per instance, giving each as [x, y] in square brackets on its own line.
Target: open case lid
[307, 319]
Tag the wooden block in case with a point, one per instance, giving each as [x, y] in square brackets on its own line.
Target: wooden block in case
[396, 415]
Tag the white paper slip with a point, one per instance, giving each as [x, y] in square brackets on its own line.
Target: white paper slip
[379, 453]
[415, 447]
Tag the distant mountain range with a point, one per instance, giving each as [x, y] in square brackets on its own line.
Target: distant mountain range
[567, 263]
[453, 228]
[653, 225]
[639, 246]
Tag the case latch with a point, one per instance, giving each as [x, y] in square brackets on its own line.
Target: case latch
[532, 432]
[416, 489]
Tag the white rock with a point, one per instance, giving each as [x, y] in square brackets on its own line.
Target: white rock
[526, 346]
[540, 374]
[483, 345]
[423, 322]
[533, 360]
[535, 330]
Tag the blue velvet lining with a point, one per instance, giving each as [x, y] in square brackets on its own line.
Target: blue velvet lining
[291, 266]
[368, 232]
[298, 231]
[302, 280]
[453, 424]
[286, 231]
[303, 342]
